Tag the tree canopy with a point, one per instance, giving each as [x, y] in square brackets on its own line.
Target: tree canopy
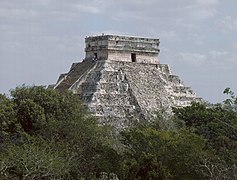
[45, 134]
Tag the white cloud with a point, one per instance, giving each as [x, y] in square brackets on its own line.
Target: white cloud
[213, 59]
[195, 59]
[202, 14]
[14, 14]
[214, 54]
[88, 8]
[169, 36]
[138, 16]
[227, 23]
[197, 39]
[135, 3]
[207, 2]
[109, 32]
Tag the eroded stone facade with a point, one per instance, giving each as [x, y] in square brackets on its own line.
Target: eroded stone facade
[118, 89]
[123, 48]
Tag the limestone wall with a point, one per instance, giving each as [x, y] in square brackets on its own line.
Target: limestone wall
[123, 92]
[120, 91]
[120, 48]
[140, 57]
[126, 83]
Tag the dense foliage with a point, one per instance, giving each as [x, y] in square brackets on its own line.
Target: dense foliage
[45, 134]
[51, 135]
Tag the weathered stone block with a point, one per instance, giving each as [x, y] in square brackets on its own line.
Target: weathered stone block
[122, 88]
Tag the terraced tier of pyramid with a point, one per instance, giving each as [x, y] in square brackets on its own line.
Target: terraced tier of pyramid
[122, 81]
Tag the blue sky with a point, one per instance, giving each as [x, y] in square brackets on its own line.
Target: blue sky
[39, 39]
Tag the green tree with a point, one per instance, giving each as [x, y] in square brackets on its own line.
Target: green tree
[31, 116]
[201, 144]
[8, 118]
[231, 102]
[154, 154]
[210, 122]
[32, 161]
[56, 105]
[218, 125]
[56, 128]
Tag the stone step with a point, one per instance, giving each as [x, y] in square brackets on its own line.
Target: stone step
[183, 90]
[76, 71]
[112, 110]
[106, 87]
[110, 99]
[174, 79]
[119, 122]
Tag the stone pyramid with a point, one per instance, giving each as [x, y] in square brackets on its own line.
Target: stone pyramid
[122, 81]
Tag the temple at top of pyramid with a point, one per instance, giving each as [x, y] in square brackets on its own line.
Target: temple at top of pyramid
[122, 48]
[121, 80]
